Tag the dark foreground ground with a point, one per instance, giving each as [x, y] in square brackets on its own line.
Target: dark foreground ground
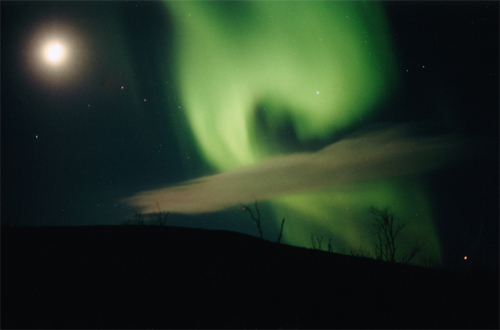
[160, 277]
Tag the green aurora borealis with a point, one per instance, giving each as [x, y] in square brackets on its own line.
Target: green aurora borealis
[245, 68]
[320, 65]
[316, 109]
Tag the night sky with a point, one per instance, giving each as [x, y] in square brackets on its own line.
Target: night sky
[317, 110]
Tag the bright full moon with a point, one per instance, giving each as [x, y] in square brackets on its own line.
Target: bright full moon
[54, 52]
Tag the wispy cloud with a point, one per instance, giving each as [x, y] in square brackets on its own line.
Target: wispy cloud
[376, 154]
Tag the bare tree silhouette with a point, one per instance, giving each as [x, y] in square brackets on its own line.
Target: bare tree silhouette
[256, 219]
[159, 218]
[138, 218]
[360, 252]
[281, 230]
[387, 232]
[316, 243]
[330, 245]
[428, 261]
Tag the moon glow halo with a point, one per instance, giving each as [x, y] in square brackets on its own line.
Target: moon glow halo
[56, 55]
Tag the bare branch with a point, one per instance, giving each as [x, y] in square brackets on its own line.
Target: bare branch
[387, 232]
[316, 244]
[330, 246]
[416, 249]
[139, 218]
[313, 242]
[281, 230]
[319, 239]
[360, 252]
[256, 219]
[428, 261]
[159, 218]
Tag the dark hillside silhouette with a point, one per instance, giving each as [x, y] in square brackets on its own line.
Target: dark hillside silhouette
[164, 277]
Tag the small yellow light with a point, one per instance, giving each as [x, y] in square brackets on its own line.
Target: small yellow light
[144, 100]
[465, 258]
[122, 87]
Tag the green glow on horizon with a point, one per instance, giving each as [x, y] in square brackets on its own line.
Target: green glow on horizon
[342, 214]
[321, 66]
